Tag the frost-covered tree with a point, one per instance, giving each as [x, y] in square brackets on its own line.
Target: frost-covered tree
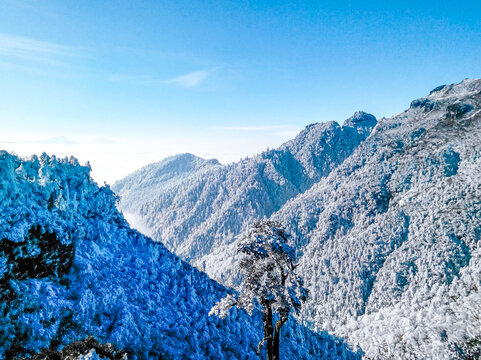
[270, 281]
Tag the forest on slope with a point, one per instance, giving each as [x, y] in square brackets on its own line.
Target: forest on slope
[71, 267]
[196, 206]
[388, 232]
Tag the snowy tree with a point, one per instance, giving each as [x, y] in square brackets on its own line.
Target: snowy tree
[270, 280]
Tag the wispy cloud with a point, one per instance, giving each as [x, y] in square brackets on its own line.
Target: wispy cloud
[191, 79]
[250, 128]
[30, 49]
[188, 80]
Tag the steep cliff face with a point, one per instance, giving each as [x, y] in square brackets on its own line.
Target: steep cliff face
[205, 208]
[71, 267]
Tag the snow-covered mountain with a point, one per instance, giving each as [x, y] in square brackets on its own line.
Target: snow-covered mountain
[164, 174]
[202, 208]
[391, 238]
[71, 267]
[388, 231]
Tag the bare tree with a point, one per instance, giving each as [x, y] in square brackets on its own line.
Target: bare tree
[269, 280]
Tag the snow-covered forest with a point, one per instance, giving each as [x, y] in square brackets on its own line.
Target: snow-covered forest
[385, 217]
[240, 180]
[385, 223]
[71, 267]
[196, 206]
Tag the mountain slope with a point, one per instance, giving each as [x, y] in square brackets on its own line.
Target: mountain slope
[165, 174]
[208, 208]
[391, 238]
[71, 267]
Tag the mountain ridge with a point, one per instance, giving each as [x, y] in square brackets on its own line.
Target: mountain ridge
[375, 212]
[207, 209]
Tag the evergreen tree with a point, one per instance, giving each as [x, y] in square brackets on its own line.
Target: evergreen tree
[270, 281]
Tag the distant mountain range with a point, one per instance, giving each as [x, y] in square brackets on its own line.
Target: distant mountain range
[194, 206]
[385, 216]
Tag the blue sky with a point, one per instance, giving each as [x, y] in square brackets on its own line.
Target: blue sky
[125, 83]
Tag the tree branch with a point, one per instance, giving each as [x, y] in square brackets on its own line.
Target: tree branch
[259, 346]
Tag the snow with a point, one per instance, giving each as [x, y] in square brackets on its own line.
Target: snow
[385, 218]
[202, 209]
[394, 231]
[95, 276]
[386, 223]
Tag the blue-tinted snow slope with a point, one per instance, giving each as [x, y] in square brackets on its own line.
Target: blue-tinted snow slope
[70, 266]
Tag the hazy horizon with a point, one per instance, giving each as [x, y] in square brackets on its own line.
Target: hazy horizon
[124, 84]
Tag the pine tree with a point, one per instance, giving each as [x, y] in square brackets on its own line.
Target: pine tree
[270, 281]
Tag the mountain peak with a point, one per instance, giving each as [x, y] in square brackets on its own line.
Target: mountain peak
[167, 171]
[454, 98]
[180, 163]
[185, 158]
[466, 88]
[361, 119]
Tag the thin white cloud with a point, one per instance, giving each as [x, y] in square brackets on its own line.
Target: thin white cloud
[191, 79]
[24, 48]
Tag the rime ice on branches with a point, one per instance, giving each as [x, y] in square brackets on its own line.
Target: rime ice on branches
[270, 281]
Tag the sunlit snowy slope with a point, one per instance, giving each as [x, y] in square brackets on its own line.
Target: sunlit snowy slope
[70, 267]
[391, 239]
[196, 206]
[388, 231]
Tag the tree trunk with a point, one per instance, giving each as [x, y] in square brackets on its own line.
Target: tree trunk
[268, 331]
[277, 338]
